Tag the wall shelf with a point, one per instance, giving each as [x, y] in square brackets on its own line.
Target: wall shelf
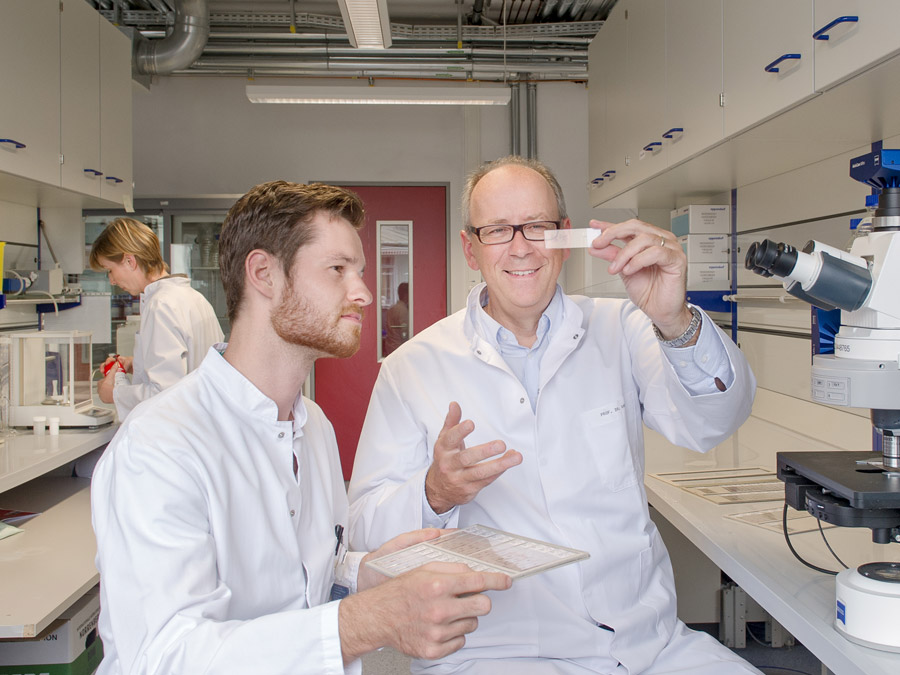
[50, 564]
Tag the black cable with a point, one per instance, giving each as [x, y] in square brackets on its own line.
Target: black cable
[756, 639]
[822, 532]
[783, 669]
[787, 538]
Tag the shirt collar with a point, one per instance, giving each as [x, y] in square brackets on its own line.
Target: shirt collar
[503, 339]
[244, 394]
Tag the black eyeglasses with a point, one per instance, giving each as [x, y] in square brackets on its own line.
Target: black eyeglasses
[503, 233]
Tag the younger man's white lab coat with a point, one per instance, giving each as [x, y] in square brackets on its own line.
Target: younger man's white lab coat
[213, 557]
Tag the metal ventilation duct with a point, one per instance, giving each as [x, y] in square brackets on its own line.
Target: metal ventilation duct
[181, 48]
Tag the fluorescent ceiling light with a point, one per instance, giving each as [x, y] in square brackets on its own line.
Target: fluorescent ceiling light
[379, 95]
[367, 23]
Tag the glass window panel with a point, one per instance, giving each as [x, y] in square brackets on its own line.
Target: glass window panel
[395, 288]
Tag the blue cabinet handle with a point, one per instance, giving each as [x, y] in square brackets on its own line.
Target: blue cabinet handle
[649, 146]
[18, 145]
[94, 171]
[596, 181]
[607, 174]
[113, 178]
[822, 33]
[771, 68]
[674, 130]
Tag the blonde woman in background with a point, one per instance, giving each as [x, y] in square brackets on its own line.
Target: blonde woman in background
[178, 325]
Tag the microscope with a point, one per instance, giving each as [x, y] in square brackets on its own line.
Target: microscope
[854, 489]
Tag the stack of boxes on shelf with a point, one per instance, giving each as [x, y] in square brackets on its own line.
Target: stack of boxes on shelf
[704, 232]
[69, 645]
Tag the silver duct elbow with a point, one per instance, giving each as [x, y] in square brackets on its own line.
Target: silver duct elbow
[179, 49]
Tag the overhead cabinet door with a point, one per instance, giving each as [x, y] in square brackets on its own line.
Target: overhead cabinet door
[29, 89]
[768, 59]
[852, 35]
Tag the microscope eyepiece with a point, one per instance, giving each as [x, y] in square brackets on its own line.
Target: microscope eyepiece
[767, 258]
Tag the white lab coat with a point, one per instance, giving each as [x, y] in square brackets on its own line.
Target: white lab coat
[213, 558]
[178, 326]
[580, 484]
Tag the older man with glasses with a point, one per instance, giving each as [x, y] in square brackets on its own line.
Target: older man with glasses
[556, 390]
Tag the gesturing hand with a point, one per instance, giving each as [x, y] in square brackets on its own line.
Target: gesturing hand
[458, 473]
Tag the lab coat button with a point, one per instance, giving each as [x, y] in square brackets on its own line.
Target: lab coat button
[281, 435]
[292, 513]
[521, 400]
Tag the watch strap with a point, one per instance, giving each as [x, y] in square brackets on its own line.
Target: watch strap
[687, 335]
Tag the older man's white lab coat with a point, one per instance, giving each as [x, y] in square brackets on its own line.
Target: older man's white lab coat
[178, 326]
[214, 555]
[580, 483]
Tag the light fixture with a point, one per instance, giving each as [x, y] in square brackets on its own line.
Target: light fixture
[437, 95]
[367, 23]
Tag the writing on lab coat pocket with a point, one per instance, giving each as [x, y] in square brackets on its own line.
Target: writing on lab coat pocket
[605, 438]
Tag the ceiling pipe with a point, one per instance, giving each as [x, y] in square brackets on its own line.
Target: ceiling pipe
[514, 115]
[531, 121]
[181, 48]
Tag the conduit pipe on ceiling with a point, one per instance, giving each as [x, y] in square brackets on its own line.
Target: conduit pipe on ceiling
[514, 114]
[531, 121]
[181, 48]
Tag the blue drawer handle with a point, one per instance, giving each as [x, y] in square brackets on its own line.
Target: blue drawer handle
[607, 174]
[649, 146]
[822, 33]
[674, 130]
[113, 178]
[94, 171]
[18, 145]
[771, 68]
[596, 181]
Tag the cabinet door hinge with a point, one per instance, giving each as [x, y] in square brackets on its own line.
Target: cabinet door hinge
[722, 100]
[62, 159]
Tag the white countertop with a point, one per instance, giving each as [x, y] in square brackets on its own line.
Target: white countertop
[25, 456]
[50, 564]
[758, 560]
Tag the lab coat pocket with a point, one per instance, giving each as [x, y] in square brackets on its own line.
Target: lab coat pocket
[604, 433]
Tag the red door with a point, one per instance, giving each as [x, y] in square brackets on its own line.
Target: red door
[343, 386]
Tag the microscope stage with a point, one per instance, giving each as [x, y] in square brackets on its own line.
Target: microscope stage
[858, 477]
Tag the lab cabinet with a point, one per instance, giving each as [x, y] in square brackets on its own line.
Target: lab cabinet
[859, 34]
[644, 115]
[785, 98]
[694, 119]
[65, 116]
[659, 87]
[115, 114]
[29, 104]
[607, 102]
[79, 39]
[768, 59]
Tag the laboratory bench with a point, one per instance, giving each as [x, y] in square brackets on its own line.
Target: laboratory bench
[49, 565]
[758, 559]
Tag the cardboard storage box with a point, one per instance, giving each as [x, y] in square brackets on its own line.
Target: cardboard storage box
[709, 277]
[706, 248]
[69, 646]
[701, 219]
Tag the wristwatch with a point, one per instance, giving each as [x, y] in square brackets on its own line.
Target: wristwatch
[687, 335]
